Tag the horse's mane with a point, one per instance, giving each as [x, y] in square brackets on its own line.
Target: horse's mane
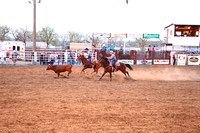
[106, 62]
[106, 59]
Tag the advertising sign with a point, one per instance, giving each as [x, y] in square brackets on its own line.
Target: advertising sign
[134, 35]
[181, 59]
[144, 62]
[130, 62]
[163, 62]
[193, 60]
[150, 35]
[122, 35]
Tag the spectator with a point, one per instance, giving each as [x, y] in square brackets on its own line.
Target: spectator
[52, 58]
[46, 58]
[149, 51]
[63, 58]
[111, 47]
[174, 58]
[14, 57]
[121, 49]
[58, 59]
[149, 48]
[7, 57]
[42, 59]
[154, 50]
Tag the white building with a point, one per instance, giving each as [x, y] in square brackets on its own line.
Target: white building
[182, 36]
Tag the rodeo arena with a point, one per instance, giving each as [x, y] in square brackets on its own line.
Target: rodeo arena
[157, 90]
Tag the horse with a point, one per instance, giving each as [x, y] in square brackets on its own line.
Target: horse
[108, 68]
[87, 64]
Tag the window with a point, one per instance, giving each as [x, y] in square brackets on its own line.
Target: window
[18, 48]
[13, 47]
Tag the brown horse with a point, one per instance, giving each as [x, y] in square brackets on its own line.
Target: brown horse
[87, 64]
[108, 68]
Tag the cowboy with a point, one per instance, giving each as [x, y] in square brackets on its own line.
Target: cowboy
[112, 58]
[88, 55]
[104, 48]
[111, 47]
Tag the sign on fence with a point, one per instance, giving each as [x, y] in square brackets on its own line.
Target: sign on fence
[181, 59]
[130, 62]
[166, 62]
[193, 60]
[144, 62]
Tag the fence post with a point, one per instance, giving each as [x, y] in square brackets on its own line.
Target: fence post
[66, 57]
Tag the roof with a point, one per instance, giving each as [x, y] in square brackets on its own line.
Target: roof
[182, 25]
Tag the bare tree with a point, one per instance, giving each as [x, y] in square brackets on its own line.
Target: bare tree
[74, 37]
[4, 30]
[142, 43]
[22, 35]
[48, 35]
[64, 39]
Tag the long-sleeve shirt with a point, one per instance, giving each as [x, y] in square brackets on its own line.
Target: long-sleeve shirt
[112, 57]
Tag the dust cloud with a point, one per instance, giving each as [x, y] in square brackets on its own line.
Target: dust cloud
[165, 73]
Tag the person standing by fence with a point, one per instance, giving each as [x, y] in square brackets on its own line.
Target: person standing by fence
[121, 49]
[58, 59]
[52, 58]
[63, 58]
[14, 57]
[149, 51]
[7, 57]
[154, 51]
[174, 58]
[42, 59]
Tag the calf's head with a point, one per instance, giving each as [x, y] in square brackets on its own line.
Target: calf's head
[49, 67]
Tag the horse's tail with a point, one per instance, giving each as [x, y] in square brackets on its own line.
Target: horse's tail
[129, 66]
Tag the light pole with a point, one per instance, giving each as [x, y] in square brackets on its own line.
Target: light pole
[34, 25]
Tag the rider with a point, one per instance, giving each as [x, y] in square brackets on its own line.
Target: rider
[88, 55]
[112, 58]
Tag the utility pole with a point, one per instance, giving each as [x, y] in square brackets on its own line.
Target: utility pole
[34, 25]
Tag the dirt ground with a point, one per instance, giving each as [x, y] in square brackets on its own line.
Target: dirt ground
[158, 98]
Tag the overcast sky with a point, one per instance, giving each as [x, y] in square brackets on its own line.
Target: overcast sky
[101, 16]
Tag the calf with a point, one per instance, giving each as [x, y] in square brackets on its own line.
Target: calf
[60, 68]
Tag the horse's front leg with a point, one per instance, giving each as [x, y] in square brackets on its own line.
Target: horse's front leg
[83, 70]
[102, 75]
[110, 76]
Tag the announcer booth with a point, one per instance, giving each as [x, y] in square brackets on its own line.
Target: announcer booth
[182, 36]
[185, 38]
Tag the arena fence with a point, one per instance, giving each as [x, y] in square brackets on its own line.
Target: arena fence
[43, 57]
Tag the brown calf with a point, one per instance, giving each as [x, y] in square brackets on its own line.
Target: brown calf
[60, 68]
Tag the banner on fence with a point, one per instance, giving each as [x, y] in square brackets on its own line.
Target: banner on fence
[130, 62]
[161, 62]
[193, 60]
[144, 62]
[181, 59]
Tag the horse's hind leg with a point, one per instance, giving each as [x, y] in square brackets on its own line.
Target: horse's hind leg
[123, 72]
[128, 74]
